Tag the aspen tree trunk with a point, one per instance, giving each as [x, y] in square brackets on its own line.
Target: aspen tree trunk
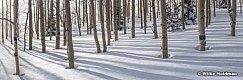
[112, 13]
[37, 19]
[133, 19]
[108, 22]
[207, 12]
[145, 15]
[6, 27]
[57, 24]
[30, 25]
[124, 16]
[214, 8]
[2, 22]
[240, 6]
[11, 33]
[233, 17]
[42, 25]
[141, 11]
[115, 19]
[183, 14]
[158, 12]
[64, 25]
[15, 37]
[78, 17]
[102, 25]
[150, 10]
[86, 13]
[201, 24]
[91, 19]
[128, 11]
[138, 9]
[154, 20]
[69, 35]
[164, 29]
[94, 26]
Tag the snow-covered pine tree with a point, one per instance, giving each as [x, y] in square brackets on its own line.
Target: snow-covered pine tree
[190, 12]
[173, 18]
[223, 4]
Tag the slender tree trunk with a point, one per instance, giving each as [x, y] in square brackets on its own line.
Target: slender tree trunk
[164, 29]
[2, 22]
[94, 26]
[37, 19]
[11, 33]
[69, 34]
[42, 25]
[201, 24]
[30, 25]
[214, 8]
[64, 26]
[115, 19]
[25, 27]
[86, 13]
[6, 27]
[141, 11]
[57, 24]
[154, 20]
[207, 12]
[183, 14]
[15, 37]
[78, 17]
[133, 18]
[145, 15]
[124, 16]
[128, 10]
[108, 21]
[102, 25]
[233, 17]
[240, 6]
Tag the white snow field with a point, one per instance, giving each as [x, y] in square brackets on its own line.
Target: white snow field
[133, 58]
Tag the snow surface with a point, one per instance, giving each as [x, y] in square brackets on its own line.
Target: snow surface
[133, 58]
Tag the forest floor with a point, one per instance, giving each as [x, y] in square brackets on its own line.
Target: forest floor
[133, 58]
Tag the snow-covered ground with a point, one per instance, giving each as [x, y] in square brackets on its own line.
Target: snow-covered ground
[133, 58]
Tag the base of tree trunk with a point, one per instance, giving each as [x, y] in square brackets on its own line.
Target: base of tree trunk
[206, 48]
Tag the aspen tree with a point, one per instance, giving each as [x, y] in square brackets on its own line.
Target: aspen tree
[115, 19]
[183, 14]
[164, 29]
[2, 22]
[69, 34]
[78, 17]
[201, 24]
[133, 19]
[57, 24]
[102, 25]
[240, 6]
[42, 25]
[145, 15]
[154, 20]
[15, 37]
[141, 11]
[207, 12]
[124, 16]
[108, 22]
[233, 17]
[94, 26]
[30, 25]
[6, 27]
[11, 33]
